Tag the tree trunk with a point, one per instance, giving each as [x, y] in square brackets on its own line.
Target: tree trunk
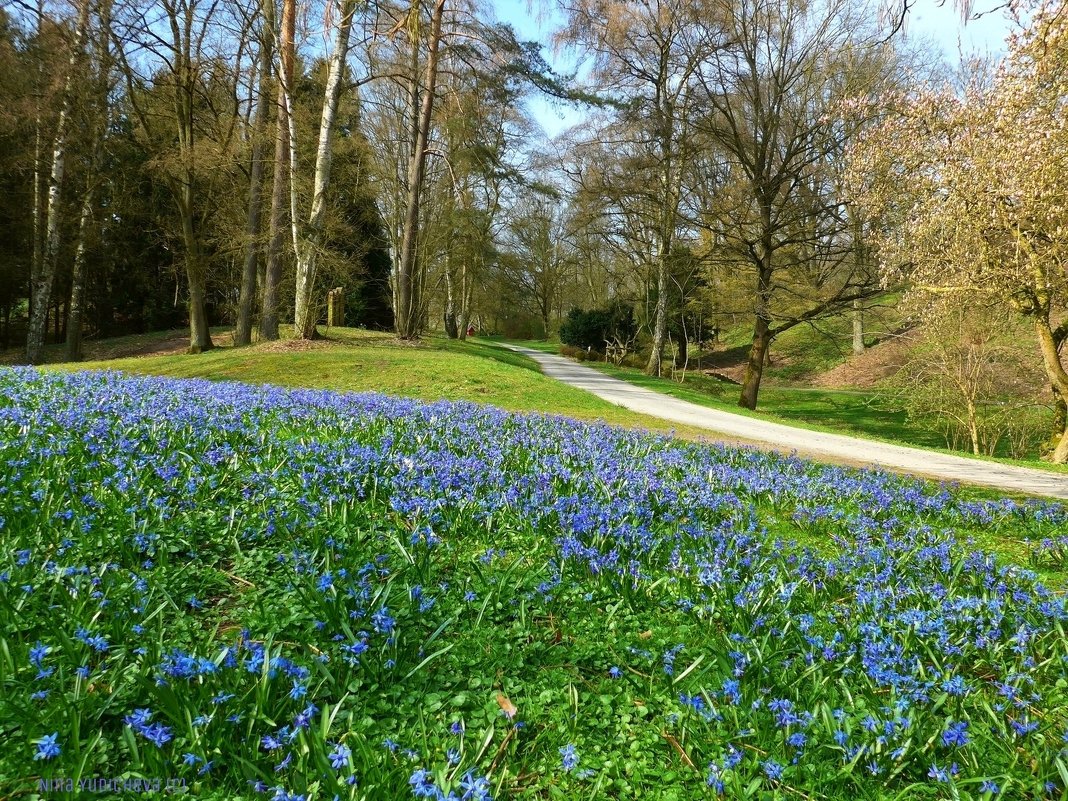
[196, 279]
[42, 281]
[759, 350]
[273, 273]
[77, 281]
[408, 312]
[659, 321]
[250, 271]
[754, 368]
[305, 316]
[1058, 378]
[858, 327]
[1060, 415]
[467, 285]
[37, 253]
[76, 306]
[973, 426]
[450, 302]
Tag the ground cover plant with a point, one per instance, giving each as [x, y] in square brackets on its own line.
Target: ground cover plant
[284, 594]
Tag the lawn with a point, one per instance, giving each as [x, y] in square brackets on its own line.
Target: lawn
[257, 592]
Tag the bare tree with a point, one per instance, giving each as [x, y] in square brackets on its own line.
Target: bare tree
[775, 138]
[408, 318]
[647, 59]
[195, 57]
[282, 145]
[99, 116]
[250, 269]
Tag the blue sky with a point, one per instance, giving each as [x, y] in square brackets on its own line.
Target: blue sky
[927, 21]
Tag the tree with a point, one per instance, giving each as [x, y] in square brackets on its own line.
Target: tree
[42, 278]
[311, 239]
[250, 269]
[647, 58]
[538, 258]
[98, 116]
[407, 307]
[965, 370]
[187, 114]
[282, 148]
[971, 188]
[776, 208]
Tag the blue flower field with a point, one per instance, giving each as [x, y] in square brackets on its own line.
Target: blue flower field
[250, 592]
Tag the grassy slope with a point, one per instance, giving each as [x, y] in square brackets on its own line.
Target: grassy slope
[363, 361]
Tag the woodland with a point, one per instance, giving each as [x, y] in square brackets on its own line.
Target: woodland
[742, 165]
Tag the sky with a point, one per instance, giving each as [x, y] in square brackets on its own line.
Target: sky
[941, 24]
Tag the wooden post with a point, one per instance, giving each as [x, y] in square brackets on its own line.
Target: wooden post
[335, 307]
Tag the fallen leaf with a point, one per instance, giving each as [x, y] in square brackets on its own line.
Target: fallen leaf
[507, 707]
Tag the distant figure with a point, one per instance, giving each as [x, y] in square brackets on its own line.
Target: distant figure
[470, 330]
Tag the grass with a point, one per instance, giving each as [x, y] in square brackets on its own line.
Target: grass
[264, 593]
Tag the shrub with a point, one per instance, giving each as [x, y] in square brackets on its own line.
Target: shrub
[592, 328]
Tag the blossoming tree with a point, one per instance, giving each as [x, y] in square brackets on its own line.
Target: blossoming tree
[970, 190]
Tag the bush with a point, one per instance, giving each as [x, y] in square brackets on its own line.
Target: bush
[592, 328]
[580, 354]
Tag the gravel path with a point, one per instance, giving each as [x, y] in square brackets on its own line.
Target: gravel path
[833, 447]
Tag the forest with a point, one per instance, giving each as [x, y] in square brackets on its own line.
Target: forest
[752, 165]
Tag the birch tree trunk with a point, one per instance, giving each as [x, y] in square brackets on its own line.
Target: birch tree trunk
[41, 282]
[250, 271]
[76, 307]
[409, 310]
[311, 241]
[77, 281]
[273, 274]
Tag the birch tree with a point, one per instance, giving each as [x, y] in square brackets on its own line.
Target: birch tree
[43, 276]
[311, 238]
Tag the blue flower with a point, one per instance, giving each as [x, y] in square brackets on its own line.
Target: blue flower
[474, 788]
[772, 769]
[569, 758]
[47, 747]
[339, 757]
[956, 734]
[422, 784]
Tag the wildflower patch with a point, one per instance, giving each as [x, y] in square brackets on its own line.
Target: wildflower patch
[263, 593]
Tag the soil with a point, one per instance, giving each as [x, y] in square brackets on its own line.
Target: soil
[868, 369]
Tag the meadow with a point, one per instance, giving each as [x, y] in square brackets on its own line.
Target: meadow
[302, 594]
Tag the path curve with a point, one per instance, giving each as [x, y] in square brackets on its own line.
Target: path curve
[814, 443]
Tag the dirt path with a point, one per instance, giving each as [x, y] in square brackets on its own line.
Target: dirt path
[831, 447]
